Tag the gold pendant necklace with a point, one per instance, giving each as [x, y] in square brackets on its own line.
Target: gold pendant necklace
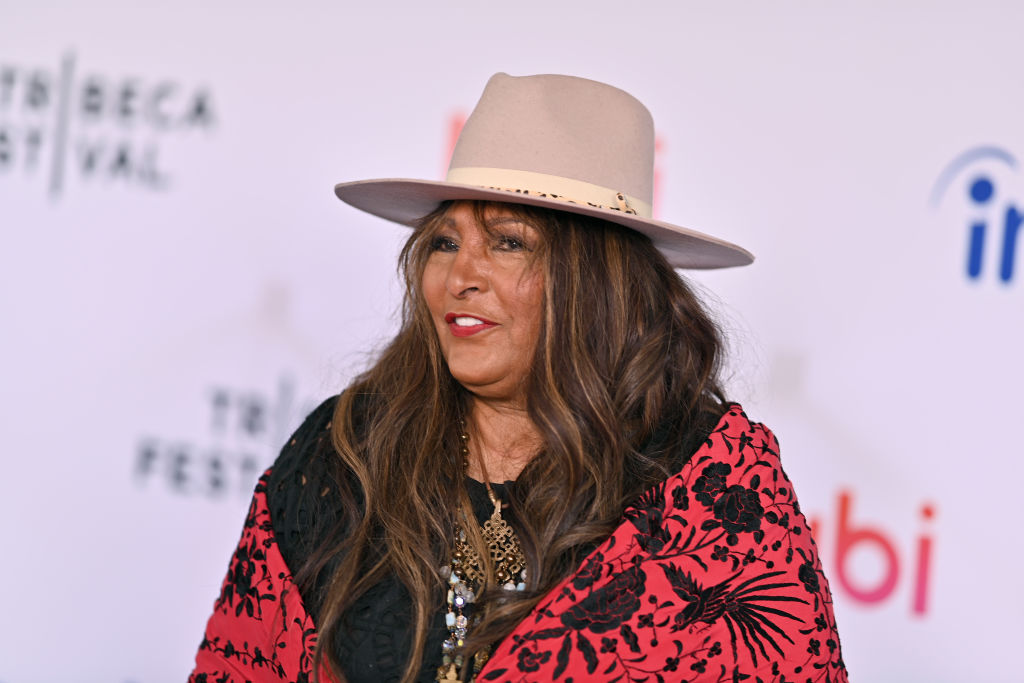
[502, 545]
[466, 575]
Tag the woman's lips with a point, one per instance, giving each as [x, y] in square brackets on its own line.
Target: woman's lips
[465, 325]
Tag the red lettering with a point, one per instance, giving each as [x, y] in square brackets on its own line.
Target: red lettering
[922, 573]
[455, 123]
[659, 148]
[846, 538]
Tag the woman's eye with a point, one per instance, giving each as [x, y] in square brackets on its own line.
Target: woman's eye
[442, 243]
[511, 243]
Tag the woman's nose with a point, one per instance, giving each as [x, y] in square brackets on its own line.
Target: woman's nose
[468, 271]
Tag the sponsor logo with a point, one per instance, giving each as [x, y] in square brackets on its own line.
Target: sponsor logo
[979, 183]
[68, 124]
[244, 430]
[852, 542]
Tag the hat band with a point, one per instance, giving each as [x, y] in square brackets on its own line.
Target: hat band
[554, 187]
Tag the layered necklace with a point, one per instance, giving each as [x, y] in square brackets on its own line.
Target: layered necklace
[466, 575]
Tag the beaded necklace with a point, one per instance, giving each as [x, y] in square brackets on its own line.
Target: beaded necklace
[466, 576]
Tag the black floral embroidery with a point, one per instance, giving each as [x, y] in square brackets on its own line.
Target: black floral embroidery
[699, 593]
[251, 606]
[711, 482]
[530, 660]
[681, 498]
[242, 588]
[607, 607]
[809, 576]
[739, 509]
[590, 572]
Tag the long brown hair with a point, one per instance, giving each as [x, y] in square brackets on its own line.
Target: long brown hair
[625, 349]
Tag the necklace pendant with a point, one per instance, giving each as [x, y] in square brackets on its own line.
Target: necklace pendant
[503, 546]
[465, 575]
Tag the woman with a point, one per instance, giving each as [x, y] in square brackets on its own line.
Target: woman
[644, 529]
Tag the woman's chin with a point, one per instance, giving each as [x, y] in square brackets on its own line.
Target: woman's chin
[490, 387]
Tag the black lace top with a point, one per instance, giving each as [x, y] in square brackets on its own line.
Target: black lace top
[304, 505]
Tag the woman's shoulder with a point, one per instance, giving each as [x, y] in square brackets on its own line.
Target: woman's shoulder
[736, 451]
[736, 440]
[306, 451]
[715, 431]
[301, 486]
[317, 421]
[712, 572]
[681, 434]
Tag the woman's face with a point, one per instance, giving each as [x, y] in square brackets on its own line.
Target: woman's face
[485, 289]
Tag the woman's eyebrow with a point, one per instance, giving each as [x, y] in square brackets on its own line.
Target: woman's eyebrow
[502, 220]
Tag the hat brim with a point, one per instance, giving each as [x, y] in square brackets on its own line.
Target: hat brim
[405, 201]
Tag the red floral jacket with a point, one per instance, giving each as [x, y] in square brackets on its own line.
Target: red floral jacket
[712, 576]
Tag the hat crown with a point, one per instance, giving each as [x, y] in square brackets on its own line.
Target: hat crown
[561, 126]
[557, 142]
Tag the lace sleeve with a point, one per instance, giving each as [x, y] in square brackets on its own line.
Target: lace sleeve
[302, 496]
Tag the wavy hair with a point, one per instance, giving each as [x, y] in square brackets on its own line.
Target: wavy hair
[624, 378]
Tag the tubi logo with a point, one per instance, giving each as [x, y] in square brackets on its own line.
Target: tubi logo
[851, 540]
[979, 177]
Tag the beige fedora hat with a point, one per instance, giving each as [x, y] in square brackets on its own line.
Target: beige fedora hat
[559, 142]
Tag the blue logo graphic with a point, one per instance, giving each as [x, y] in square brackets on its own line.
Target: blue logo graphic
[976, 167]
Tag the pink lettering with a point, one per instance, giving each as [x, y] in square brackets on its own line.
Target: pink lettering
[846, 538]
[922, 573]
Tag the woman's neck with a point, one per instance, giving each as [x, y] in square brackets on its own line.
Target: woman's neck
[502, 440]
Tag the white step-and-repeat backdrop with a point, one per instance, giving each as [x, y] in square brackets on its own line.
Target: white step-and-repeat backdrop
[179, 284]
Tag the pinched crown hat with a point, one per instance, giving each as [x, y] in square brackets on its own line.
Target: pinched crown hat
[558, 142]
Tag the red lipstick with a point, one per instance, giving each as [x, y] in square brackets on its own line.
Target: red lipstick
[465, 324]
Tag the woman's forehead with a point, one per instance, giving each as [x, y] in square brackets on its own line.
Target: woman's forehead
[489, 215]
